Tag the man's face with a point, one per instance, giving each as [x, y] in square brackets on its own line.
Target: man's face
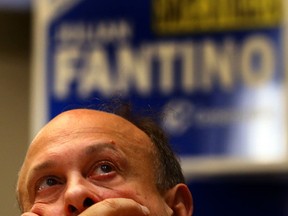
[83, 157]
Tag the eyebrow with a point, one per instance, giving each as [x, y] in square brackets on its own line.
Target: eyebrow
[99, 148]
[46, 165]
[89, 150]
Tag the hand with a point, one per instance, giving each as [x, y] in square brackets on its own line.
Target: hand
[115, 207]
[29, 214]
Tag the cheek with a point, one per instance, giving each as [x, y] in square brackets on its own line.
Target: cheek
[119, 192]
[132, 191]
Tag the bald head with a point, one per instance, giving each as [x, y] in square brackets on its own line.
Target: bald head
[92, 155]
[66, 129]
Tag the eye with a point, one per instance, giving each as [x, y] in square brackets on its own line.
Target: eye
[47, 182]
[103, 169]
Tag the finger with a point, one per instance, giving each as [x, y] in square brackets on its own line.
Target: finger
[29, 214]
[116, 207]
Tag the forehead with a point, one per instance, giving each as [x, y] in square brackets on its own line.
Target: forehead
[79, 128]
[73, 124]
[75, 130]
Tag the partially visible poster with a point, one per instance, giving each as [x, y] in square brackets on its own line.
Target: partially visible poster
[216, 69]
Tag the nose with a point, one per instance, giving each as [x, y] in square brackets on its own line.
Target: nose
[76, 209]
[79, 196]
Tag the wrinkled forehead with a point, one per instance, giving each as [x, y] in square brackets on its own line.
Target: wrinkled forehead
[86, 124]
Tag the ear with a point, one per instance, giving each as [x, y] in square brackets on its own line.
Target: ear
[179, 199]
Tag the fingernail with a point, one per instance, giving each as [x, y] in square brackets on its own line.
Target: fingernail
[145, 210]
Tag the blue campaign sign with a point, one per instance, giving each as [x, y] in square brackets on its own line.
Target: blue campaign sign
[219, 81]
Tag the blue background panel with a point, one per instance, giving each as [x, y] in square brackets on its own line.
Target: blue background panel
[260, 195]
